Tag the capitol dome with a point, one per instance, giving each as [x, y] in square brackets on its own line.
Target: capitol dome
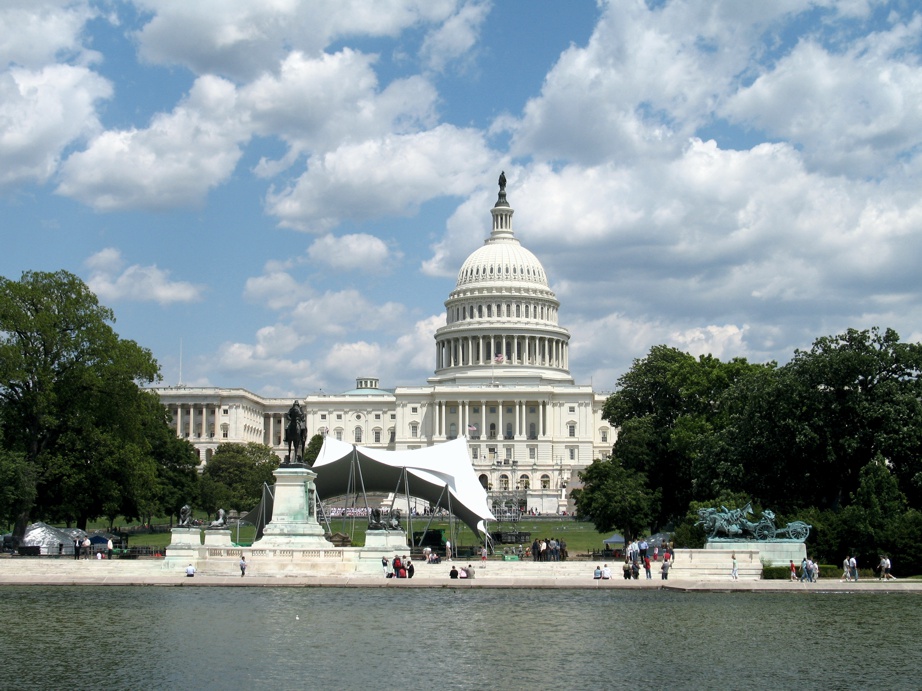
[502, 314]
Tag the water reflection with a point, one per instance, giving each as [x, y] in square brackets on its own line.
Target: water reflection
[286, 638]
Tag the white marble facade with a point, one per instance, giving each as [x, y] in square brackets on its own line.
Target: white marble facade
[501, 378]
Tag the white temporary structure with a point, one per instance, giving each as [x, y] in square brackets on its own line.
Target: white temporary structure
[441, 474]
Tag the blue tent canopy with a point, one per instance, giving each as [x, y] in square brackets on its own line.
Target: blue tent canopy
[615, 539]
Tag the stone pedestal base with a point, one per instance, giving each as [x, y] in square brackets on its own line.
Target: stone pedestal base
[770, 553]
[183, 541]
[294, 514]
[184, 548]
[218, 537]
[386, 541]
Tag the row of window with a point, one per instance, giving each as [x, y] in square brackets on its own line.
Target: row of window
[517, 309]
[507, 270]
[524, 482]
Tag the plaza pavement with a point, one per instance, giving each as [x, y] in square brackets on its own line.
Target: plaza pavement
[25, 571]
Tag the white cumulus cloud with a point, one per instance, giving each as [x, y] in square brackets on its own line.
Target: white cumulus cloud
[112, 281]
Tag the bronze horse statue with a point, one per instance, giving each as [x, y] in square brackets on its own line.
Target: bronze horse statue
[295, 433]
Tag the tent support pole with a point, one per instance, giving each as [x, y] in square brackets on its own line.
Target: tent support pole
[355, 455]
[406, 487]
[431, 517]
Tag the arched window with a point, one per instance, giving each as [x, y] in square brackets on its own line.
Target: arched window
[508, 430]
[492, 430]
[524, 482]
[545, 481]
[504, 482]
[484, 481]
[532, 430]
[452, 430]
[358, 435]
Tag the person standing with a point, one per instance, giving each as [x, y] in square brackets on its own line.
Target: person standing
[448, 549]
[243, 566]
[646, 567]
[76, 548]
[483, 557]
[109, 548]
[793, 571]
[734, 571]
[665, 570]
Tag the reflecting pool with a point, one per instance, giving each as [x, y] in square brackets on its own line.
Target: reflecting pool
[305, 638]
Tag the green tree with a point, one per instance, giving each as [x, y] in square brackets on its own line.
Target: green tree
[17, 485]
[68, 383]
[799, 435]
[234, 477]
[615, 498]
[177, 480]
[668, 407]
[313, 450]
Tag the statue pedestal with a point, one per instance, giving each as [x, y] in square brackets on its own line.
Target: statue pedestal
[218, 537]
[386, 541]
[184, 548]
[183, 540]
[770, 553]
[294, 513]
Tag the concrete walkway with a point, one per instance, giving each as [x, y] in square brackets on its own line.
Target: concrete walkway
[523, 575]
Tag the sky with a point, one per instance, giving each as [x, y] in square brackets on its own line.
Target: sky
[279, 195]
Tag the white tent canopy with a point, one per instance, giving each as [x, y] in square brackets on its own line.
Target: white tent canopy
[441, 474]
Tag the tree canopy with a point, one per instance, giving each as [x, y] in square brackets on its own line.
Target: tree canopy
[80, 436]
[234, 477]
[812, 435]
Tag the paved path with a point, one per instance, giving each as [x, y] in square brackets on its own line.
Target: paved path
[152, 573]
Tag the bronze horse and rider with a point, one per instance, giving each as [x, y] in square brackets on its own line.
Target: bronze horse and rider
[295, 433]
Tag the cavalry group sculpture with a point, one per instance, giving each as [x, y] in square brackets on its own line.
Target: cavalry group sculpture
[733, 524]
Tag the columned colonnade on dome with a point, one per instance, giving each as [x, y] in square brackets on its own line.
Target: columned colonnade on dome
[476, 350]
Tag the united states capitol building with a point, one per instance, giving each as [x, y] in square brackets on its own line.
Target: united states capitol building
[501, 379]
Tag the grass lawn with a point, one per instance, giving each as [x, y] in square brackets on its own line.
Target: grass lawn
[580, 537]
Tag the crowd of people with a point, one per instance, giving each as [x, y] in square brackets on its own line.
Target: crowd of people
[463, 572]
[548, 549]
[398, 567]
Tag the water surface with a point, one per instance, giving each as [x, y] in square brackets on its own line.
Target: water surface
[305, 638]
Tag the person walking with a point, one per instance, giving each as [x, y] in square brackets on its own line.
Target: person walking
[846, 570]
[243, 566]
[793, 571]
[853, 568]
